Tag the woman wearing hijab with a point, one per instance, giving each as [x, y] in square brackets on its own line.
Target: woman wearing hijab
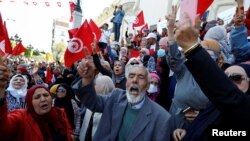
[103, 87]
[39, 121]
[231, 102]
[65, 99]
[16, 92]
[118, 73]
[154, 88]
[211, 116]
[219, 34]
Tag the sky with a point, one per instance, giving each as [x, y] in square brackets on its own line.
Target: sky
[33, 21]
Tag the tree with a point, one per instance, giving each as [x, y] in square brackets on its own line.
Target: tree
[58, 50]
[29, 52]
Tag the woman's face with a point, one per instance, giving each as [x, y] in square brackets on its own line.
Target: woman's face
[118, 68]
[18, 82]
[61, 92]
[238, 75]
[154, 81]
[41, 101]
[123, 52]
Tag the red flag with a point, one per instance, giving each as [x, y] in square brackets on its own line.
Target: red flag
[26, 2]
[86, 35]
[134, 53]
[2, 40]
[72, 32]
[8, 47]
[139, 21]
[47, 3]
[59, 4]
[203, 6]
[145, 27]
[49, 76]
[34, 2]
[18, 49]
[95, 30]
[72, 7]
[5, 45]
[74, 51]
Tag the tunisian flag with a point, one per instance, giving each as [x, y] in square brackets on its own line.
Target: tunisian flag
[72, 8]
[5, 45]
[139, 20]
[145, 27]
[95, 29]
[83, 37]
[19, 49]
[203, 6]
[72, 32]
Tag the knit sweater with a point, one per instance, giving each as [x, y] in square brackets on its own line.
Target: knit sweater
[127, 123]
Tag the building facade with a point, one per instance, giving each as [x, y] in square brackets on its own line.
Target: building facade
[155, 11]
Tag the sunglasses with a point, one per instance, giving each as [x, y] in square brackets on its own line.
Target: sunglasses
[60, 91]
[237, 78]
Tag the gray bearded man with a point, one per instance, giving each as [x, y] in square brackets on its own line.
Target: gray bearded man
[126, 115]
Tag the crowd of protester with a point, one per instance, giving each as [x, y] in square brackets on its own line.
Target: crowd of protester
[182, 84]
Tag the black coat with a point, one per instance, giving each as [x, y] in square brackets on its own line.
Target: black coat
[232, 103]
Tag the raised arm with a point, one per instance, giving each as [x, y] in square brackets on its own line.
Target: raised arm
[214, 83]
[84, 89]
[10, 122]
[174, 58]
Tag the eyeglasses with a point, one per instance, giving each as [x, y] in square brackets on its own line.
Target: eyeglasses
[60, 91]
[134, 63]
[237, 78]
[142, 52]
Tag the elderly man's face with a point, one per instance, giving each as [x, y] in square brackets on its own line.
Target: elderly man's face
[137, 84]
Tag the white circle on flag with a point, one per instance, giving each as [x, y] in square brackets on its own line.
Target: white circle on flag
[75, 45]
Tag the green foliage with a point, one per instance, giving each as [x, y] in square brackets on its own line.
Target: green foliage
[58, 50]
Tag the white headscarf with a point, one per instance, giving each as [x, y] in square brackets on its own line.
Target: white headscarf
[18, 93]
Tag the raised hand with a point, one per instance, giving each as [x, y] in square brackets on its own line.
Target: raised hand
[171, 18]
[93, 46]
[178, 134]
[4, 76]
[186, 35]
[86, 68]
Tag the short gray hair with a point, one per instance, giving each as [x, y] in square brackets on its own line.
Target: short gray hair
[131, 67]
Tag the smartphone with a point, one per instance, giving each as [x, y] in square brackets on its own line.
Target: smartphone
[190, 8]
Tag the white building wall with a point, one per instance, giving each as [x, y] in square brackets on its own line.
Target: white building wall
[154, 10]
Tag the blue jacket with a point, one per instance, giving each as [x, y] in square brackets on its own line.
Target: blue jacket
[119, 14]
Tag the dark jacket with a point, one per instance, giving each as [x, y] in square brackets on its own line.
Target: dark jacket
[232, 103]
